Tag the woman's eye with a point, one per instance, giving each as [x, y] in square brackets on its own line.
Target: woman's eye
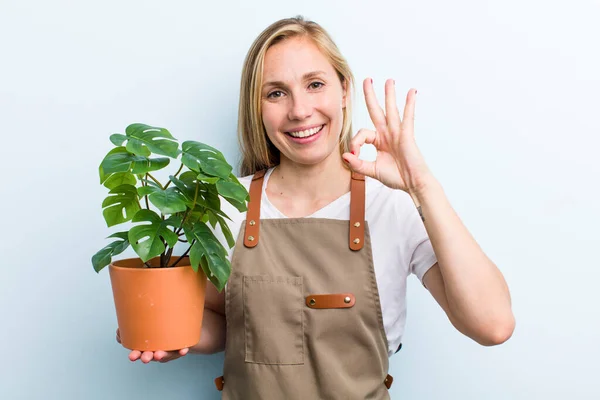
[275, 94]
[316, 85]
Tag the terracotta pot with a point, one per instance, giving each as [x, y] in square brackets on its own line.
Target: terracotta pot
[158, 308]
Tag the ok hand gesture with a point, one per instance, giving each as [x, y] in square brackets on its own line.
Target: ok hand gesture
[399, 162]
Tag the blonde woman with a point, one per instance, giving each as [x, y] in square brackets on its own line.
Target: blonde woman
[315, 304]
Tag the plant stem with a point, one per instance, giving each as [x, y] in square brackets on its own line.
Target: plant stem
[188, 211]
[176, 173]
[146, 196]
[184, 254]
[154, 179]
[169, 254]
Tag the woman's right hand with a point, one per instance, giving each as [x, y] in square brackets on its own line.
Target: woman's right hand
[159, 355]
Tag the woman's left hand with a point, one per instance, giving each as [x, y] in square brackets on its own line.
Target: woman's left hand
[399, 162]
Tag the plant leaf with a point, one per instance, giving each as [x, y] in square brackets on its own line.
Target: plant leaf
[144, 139]
[200, 157]
[186, 187]
[216, 266]
[118, 139]
[240, 204]
[169, 201]
[125, 198]
[146, 190]
[120, 160]
[226, 231]
[232, 190]
[156, 231]
[207, 179]
[120, 178]
[103, 257]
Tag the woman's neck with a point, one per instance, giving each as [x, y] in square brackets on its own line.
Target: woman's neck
[299, 190]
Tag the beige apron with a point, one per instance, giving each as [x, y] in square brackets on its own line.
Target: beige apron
[303, 314]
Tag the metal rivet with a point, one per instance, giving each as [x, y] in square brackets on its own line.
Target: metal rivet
[346, 300]
[356, 241]
[251, 238]
[357, 224]
[312, 302]
[386, 379]
[252, 222]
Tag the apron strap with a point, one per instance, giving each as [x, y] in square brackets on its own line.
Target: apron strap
[253, 214]
[357, 211]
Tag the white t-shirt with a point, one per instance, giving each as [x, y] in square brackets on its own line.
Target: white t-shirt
[399, 243]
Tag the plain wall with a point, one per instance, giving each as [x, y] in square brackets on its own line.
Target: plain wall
[506, 117]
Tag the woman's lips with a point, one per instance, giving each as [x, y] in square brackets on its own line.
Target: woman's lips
[308, 139]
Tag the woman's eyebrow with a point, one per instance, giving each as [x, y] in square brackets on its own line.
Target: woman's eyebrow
[305, 77]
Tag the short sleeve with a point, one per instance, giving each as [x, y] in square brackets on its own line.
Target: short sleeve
[423, 256]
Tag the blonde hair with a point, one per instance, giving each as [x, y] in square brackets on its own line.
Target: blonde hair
[257, 150]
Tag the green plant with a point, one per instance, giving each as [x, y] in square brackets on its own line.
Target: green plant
[184, 209]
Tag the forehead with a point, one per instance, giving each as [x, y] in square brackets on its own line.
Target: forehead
[292, 58]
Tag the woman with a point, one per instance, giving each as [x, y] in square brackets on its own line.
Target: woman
[316, 300]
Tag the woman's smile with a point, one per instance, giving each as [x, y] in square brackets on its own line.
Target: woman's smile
[306, 135]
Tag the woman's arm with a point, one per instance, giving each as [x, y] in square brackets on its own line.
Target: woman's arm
[467, 285]
[212, 338]
[465, 282]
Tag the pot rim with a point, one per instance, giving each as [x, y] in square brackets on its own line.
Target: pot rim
[115, 264]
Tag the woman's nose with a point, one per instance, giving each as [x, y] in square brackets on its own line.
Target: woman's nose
[301, 107]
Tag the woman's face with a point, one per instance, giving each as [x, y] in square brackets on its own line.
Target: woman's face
[302, 102]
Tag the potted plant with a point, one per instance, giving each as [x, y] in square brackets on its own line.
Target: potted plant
[159, 297]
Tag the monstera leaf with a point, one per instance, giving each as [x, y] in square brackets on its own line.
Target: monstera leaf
[207, 179]
[200, 157]
[120, 178]
[155, 232]
[224, 227]
[103, 257]
[208, 253]
[186, 184]
[120, 160]
[125, 200]
[234, 192]
[198, 191]
[168, 201]
[142, 140]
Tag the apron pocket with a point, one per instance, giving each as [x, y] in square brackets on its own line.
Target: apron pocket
[273, 319]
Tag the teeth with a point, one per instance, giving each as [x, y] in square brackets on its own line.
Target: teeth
[306, 133]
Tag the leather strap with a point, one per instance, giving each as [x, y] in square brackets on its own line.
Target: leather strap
[253, 215]
[220, 383]
[338, 300]
[357, 211]
[388, 381]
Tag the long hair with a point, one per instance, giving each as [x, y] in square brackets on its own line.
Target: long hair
[257, 150]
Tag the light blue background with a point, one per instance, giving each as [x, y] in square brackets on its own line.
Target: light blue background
[506, 117]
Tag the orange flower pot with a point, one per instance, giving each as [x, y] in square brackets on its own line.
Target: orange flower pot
[158, 308]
